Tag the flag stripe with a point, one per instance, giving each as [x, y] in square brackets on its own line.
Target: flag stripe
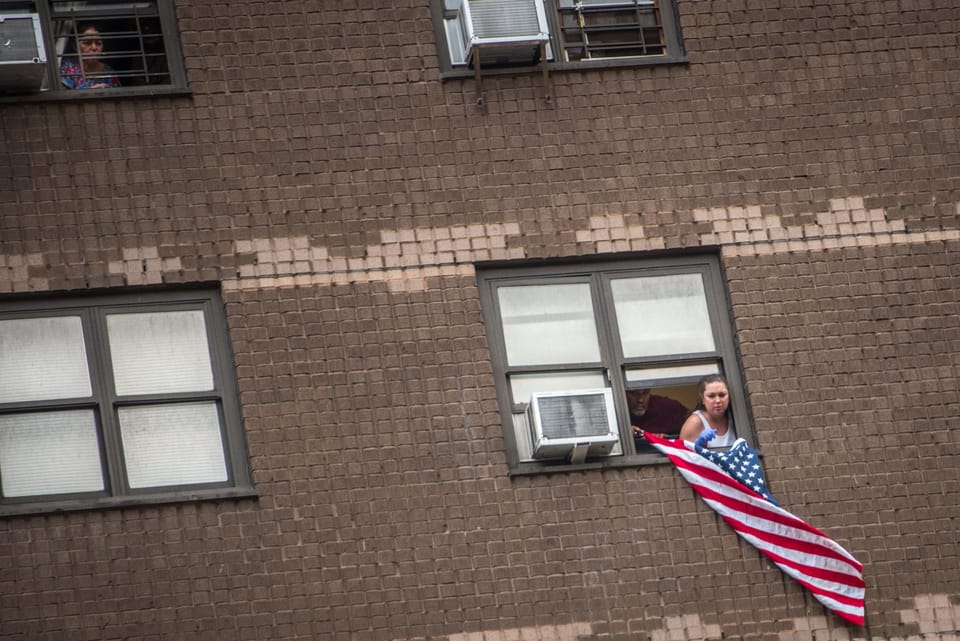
[819, 547]
[823, 568]
[833, 575]
[852, 596]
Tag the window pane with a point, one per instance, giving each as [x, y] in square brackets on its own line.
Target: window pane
[523, 385]
[172, 445]
[548, 324]
[648, 374]
[43, 359]
[660, 315]
[49, 453]
[160, 352]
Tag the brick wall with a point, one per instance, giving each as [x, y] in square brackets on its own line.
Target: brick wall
[341, 194]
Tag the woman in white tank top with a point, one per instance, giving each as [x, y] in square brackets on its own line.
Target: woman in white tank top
[713, 403]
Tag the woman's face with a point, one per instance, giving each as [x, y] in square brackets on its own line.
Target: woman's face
[716, 398]
[91, 46]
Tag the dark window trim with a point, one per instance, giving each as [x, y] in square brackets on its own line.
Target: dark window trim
[179, 85]
[239, 481]
[726, 353]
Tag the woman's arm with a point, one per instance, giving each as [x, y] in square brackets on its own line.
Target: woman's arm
[691, 428]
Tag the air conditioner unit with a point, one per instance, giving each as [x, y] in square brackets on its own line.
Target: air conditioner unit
[573, 425]
[503, 32]
[23, 59]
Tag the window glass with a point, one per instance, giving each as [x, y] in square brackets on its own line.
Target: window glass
[662, 315]
[639, 376]
[49, 453]
[549, 324]
[43, 358]
[523, 385]
[159, 352]
[172, 445]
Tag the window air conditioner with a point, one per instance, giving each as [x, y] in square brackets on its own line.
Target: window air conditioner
[503, 32]
[573, 424]
[23, 59]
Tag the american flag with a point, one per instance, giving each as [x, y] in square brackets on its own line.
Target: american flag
[732, 483]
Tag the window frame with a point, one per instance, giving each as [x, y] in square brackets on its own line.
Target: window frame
[675, 52]
[166, 13]
[105, 402]
[613, 364]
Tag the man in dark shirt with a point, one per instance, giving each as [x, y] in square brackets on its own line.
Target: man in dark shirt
[658, 415]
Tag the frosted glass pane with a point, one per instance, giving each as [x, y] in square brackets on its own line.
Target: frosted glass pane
[172, 444]
[665, 373]
[43, 359]
[548, 324]
[49, 453]
[159, 352]
[524, 385]
[660, 315]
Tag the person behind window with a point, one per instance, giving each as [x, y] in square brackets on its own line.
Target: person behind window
[658, 415]
[710, 424]
[87, 70]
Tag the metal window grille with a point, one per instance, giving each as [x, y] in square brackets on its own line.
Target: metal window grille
[133, 42]
[593, 29]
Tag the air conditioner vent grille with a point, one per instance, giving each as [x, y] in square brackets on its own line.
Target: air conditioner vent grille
[573, 416]
[17, 39]
[494, 19]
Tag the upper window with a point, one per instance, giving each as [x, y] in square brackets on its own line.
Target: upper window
[582, 354]
[566, 33]
[63, 47]
[126, 399]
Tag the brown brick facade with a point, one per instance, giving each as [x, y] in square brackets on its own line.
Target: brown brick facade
[342, 195]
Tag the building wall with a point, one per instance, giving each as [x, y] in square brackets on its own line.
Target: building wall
[341, 194]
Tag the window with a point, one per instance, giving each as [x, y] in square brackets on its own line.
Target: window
[117, 400]
[569, 33]
[73, 48]
[577, 340]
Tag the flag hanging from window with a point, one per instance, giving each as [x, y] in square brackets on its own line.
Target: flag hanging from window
[732, 483]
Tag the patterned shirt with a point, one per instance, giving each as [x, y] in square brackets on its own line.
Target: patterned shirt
[72, 76]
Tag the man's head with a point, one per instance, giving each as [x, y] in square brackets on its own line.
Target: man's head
[637, 401]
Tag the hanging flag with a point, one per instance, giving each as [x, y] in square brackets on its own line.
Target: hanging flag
[732, 483]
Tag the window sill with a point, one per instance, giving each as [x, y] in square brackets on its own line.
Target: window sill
[102, 503]
[633, 460]
[565, 67]
[95, 94]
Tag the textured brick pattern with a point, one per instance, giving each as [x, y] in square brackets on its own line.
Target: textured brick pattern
[342, 195]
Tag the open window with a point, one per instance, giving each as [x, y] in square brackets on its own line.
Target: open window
[581, 340]
[117, 400]
[69, 48]
[564, 33]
